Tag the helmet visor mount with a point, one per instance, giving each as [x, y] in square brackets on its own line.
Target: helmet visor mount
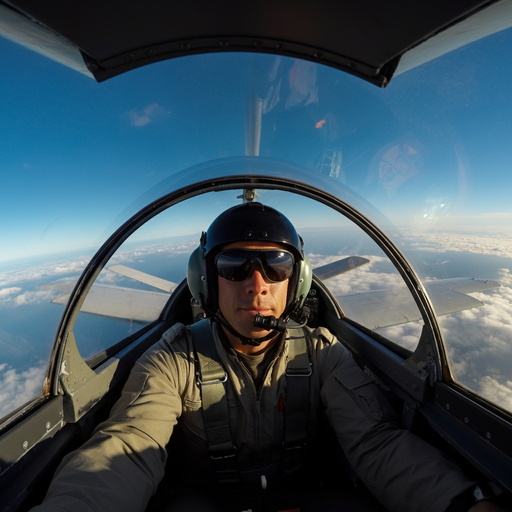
[238, 264]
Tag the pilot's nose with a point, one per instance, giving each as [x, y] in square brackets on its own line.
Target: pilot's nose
[256, 283]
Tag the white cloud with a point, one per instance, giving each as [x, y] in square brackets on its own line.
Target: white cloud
[500, 394]
[5, 292]
[28, 297]
[48, 270]
[17, 388]
[10, 296]
[174, 249]
[494, 245]
[110, 278]
[478, 343]
[406, 335]
[505, 277]
[498, 223]
[33, 297]
[478, 340]
[377, 275]
[146, 116]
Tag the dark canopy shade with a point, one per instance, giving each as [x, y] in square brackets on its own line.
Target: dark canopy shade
[363, 37]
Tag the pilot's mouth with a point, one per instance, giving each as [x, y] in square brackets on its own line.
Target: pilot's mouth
[255, 311]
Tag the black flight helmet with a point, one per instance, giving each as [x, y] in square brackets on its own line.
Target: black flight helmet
[252, 222]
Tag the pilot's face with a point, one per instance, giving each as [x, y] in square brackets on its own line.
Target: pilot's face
[240, 301]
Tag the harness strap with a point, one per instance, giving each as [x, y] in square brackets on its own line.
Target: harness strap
[211, 379]
[296, 408]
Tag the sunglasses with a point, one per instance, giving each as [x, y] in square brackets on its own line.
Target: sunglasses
[238, 264]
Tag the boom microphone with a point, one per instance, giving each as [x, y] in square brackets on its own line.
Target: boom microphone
[269, 323]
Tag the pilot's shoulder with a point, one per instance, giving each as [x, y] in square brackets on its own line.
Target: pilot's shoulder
[322, 335]
[174, 344]
[326, 349]
[172, 341]
[171, 349]
[175, 333]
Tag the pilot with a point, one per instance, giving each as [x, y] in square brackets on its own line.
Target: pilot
[225, 414]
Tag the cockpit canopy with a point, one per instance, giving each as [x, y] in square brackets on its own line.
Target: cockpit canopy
[412, 178]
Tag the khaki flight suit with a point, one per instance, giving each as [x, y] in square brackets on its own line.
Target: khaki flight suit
[120, 467]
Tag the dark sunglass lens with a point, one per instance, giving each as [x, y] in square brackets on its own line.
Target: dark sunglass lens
[231, 266]
[278, 265]
[237, 264]
[242, 272]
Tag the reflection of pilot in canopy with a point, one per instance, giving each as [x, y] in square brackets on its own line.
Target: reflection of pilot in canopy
[243, 402]
[395, 164]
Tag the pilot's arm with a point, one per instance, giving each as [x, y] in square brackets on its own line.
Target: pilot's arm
[402, 470]
[120, 466]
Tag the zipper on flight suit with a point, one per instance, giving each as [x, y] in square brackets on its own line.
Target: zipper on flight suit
[258, 396]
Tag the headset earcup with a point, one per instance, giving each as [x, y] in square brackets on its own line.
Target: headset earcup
[196, 276]
[304, 281]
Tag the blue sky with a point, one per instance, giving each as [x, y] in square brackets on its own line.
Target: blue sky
[75, 154]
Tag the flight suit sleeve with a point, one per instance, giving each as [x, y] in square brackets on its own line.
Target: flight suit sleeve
[120, 466]
[403, 472]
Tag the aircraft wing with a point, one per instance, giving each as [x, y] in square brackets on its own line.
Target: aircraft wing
[118, 302]
[156, 282]
[145, 306]
[375, 309]
[384, 308]
[339, 267]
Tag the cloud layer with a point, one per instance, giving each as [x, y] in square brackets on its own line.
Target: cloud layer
[37, 272]
[492, 245]
[173, 249]
[478, 341]
[14, 296]
[17, 388]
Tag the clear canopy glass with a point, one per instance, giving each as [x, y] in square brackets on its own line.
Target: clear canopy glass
[427, 160]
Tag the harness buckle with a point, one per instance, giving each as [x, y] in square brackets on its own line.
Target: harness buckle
[294, 447]
[231, 455]
[299, 372]
[208, 383]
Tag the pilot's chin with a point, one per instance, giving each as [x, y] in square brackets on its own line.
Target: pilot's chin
[257, 333]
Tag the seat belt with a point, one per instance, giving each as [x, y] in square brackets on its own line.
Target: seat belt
[298, 371]
[211, 379]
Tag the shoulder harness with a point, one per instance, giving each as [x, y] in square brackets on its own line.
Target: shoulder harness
[212, 378]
